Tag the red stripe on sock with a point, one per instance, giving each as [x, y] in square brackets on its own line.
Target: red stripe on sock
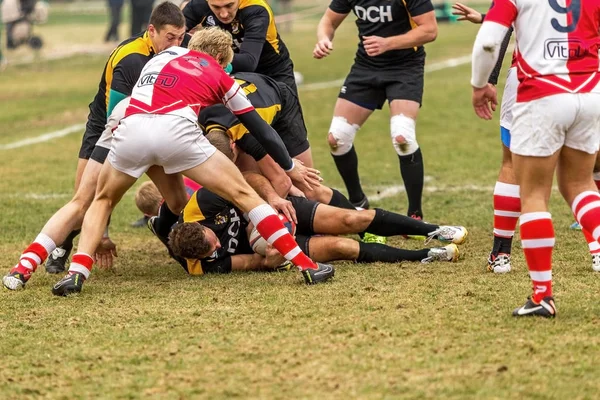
[286, 243]
[539, 259]
[84, 260]
[591, 219]
[36, 249]
[505, 203]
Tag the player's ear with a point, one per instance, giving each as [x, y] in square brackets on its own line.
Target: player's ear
[151, 30]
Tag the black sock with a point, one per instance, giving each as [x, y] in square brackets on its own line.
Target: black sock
[502, 245]
[68, 242]
[411, 169]
[387, 223]
[339, 200]
[375, 252]
[165, 221]
[347, 165]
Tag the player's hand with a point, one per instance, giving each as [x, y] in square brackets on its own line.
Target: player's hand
[105, 252]
[283, 206]
[485, 101]
[273, 258]
[466, 13]
[323, 48]
[305, 179]
[375, 45]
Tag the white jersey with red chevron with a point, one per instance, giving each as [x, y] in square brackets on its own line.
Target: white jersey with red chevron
[557, 44]
[181, 82]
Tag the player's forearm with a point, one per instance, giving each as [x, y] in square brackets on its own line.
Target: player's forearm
[268, 138]
[247, 59]
[278, 178]
[419, 36]
[486, 51]
[248, 262]
[261, 185]
[325, 29]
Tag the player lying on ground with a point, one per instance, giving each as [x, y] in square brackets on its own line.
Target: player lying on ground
[507, 202]
[213, 236]
[556, 121]
[173, 130]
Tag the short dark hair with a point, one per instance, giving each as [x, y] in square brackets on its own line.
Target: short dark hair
[188, 240]
[167, 13]
[220, 139]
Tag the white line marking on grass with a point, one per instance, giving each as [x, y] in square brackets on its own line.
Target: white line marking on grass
[391, 191]
[43, 138]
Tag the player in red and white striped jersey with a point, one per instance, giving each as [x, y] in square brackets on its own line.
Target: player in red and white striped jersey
[160, 128]
[556, 119]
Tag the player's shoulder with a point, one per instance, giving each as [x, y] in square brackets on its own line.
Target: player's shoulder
[199, 7]
[253, 7]
[136, 48]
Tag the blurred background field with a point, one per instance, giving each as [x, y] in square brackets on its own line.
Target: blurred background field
[147, 330]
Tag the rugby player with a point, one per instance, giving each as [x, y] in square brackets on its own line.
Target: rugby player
[122, 70]
[256, 41]
[556, 119]
[276, 103]
[389, 65]
[507, 203]
[212, 236]
[160, 129]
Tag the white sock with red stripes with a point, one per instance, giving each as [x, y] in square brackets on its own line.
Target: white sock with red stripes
[507, 209]
[34, 255]
[586, 208]
[537, 239]
[270, 227]
[81, 263]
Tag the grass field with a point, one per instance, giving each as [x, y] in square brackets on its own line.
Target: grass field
[147, 330]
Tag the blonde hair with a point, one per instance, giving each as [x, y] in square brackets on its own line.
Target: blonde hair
[148, 199]
[215, 42]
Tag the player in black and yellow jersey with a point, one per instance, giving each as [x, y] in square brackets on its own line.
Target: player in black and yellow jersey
[278, 105]
[212, 235]
[121, 72]
[257, 44]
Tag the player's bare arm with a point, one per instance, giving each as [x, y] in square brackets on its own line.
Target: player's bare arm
[425, 32]
[265, 189]
[326, 31]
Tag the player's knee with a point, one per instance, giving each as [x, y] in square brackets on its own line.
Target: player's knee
[341, 248]
[404, 134]
[351, 221]
[341, 136]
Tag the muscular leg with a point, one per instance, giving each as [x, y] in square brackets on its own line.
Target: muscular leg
[173, 191]
[331, 248]
[348, 118]
[507, 209]
[230, 184]
[534, 175]
[403, 119]
[339, 221]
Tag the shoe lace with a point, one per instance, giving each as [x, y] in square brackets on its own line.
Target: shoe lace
[434, 255]
[444, 232]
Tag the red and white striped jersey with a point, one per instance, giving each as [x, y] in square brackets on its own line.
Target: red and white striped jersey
[181, 82]
[557, 44]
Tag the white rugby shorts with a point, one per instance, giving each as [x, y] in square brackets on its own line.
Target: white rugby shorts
[172, 142]
[543, 126]
[509, 97]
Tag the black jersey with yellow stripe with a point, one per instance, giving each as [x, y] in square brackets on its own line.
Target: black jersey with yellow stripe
[252, 27]
[228, 223]
[121, 72]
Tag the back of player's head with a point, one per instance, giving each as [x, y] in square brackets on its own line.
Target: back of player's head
[215, 42]
[167, 13]
[188, 240]
[220, 139]
[148, 199]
